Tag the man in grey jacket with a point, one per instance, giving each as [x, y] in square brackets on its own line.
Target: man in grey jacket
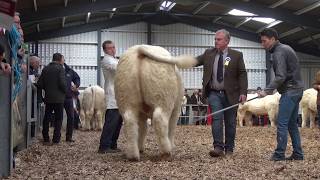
[53, 82]
[289, 84]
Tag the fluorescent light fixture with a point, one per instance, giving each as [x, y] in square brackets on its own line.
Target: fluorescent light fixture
[89, 13]
[265, 20]
[274, 23]
[167, 5]
[237, 12]
[114, 9]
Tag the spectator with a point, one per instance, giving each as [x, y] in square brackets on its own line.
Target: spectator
[53, 81]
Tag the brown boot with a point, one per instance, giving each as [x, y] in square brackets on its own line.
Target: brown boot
[216, 152]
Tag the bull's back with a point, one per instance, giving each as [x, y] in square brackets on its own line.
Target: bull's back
[159, 83]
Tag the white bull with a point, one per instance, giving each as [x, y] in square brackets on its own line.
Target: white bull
[148, 85]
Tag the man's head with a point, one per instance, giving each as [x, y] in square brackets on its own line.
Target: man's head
[222, 39]
[57, 57]
[34, 62]
[268, 38]
[109, 48]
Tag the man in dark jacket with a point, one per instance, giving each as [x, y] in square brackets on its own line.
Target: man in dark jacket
[53, 82]
[224, 83]
[73, 82]
[289, 84]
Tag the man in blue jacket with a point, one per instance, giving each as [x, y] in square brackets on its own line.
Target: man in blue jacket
[73, 82]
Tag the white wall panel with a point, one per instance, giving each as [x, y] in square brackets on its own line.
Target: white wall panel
[89, 37]
[125, 36]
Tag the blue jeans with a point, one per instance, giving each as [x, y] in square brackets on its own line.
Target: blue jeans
[218, 101]
[111, 129]
[287, 121]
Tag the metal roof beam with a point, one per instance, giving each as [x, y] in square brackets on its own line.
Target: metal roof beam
[138, 6]
[78, 7]
[305, 40]
[114, 22]
[35, 5]
[279, 3]
[308, 8]
[199, 8]
[279, 14]
[291, 31]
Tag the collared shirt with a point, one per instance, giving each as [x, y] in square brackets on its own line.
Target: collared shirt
[109, 66]
[214, 82]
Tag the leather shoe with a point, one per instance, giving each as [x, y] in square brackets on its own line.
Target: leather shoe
[106, 151]
[116, 149]
[70, 140]
[228, 153]
[294, 157]
[216, 152]
[275, 157]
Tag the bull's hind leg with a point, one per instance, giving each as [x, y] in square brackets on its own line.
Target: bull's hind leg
[87, 122]
[161, 125]
[312, 119]
[99, 120]
[172, 125]
[131, 132]
[143, 127]
[305, 116]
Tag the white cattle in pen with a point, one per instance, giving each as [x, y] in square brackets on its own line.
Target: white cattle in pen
[308, 105]
[260, 106]
[92, 108]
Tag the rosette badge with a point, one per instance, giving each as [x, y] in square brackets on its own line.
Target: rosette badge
[227, 60]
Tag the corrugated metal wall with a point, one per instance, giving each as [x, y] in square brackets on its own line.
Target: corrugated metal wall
[309, 66]
[185, 39]
[80, 50]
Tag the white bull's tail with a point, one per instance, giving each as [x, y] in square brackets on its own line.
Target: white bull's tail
[183, 61]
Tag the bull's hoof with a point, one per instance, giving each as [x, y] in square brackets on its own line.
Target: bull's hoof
[133, 159]
[166, 157]
[162, 157]
[141, 151]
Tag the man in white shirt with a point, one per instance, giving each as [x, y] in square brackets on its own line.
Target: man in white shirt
[113, 119]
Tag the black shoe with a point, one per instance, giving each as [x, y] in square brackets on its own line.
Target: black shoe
[70, 140]
[216, 152]
[105, 151]
[275, 157]
[294, 157]
[116, 149]
[47, 143]
[228, 153]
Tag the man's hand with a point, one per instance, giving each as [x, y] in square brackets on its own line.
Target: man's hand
[6, 68]
[74, 87]
[262, 94]
[242, 98]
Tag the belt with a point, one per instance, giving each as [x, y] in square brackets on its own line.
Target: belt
[218, 91]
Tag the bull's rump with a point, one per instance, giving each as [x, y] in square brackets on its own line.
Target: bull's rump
[145, 82]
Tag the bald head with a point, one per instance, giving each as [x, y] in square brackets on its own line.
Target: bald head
[34, 62]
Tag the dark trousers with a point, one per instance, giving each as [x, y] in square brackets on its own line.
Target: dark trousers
[76, 120]
[111, 129]
[218, 101]
[58, 116]
[68, 106]
[318, 108]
